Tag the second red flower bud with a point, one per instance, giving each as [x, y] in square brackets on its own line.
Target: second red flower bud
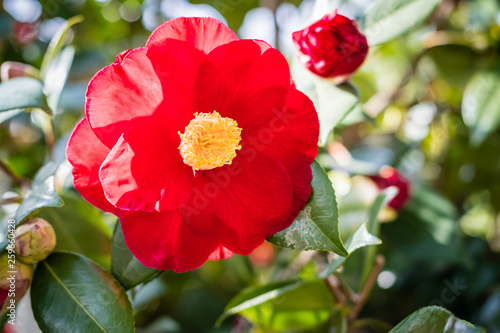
[332, 47]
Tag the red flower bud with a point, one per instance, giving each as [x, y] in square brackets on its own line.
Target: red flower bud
[332, 47]
[391, 177]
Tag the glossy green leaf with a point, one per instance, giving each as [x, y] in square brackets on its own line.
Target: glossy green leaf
[334, 103]
[255, 296]
[124, 265]
[433, 319]
[317, 225]
[6, 115]
[480, 105]
[23, 93]
[57, 74]
[359, 239]
[70, 293]
[56, 44]
[284, 306]
[42, 193]
[79, 228]
[363, 236]
[356, 115]
[387, 19]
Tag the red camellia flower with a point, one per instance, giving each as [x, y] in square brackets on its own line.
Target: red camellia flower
[391, 177]
[198, 141]
[332, 47]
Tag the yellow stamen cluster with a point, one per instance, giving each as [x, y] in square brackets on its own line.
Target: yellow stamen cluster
[209, 141]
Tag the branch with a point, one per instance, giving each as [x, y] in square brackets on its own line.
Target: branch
[363, 296]
[334, 284]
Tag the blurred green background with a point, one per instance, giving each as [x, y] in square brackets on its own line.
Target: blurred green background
[415, 96]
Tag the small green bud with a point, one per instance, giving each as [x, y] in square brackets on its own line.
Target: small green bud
[35, 240]
[15, 279]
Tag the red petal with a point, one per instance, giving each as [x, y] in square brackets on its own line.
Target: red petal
[122, 95]
[291, 137]
[264, 46]
[220, 253]
[176, 64]
[252, 198]
[238, 81]
[164, 241]
[86, 153]
[144, 171]
[204, 33]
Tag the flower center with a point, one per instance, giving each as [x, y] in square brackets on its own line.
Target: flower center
[209, 141]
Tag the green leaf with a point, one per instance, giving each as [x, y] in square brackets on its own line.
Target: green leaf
[72, 294]
[23, 93]
[57, 43]
[255, 296]
[333, 103]
[42, 193]
[6, 115]
[57, 74]
[433, 319]
[124, 265]
[363, 236]
[480, 105]
[317, 225]
[283, 306]
[359, 239]
[356, 115]
[387, 19]
[79, 228]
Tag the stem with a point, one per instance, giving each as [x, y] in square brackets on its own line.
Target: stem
[347, 291]
[334, 284]
[363, 297]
